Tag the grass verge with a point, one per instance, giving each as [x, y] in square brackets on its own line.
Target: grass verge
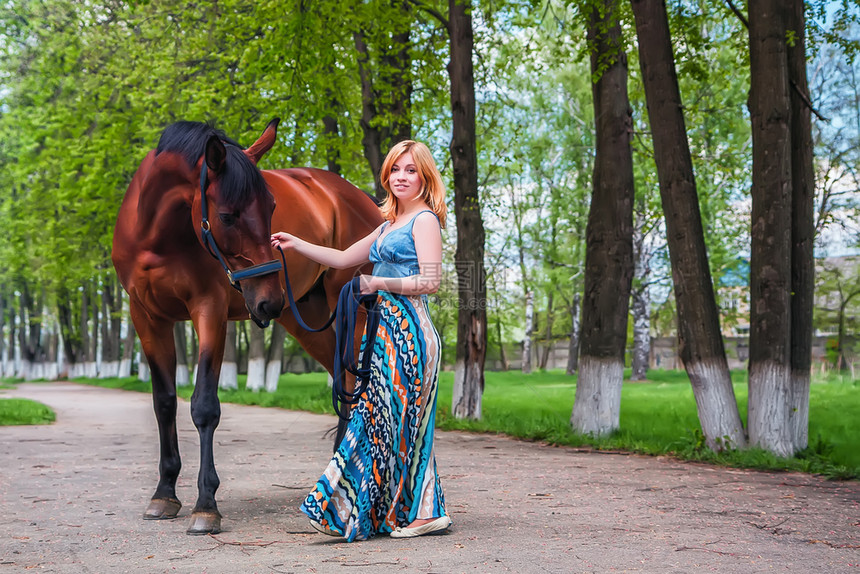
[658, 417]
[24, 412]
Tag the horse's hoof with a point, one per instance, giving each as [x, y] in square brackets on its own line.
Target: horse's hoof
[205, 523]
[162, 509]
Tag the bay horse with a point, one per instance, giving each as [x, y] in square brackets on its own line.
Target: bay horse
[178, 264]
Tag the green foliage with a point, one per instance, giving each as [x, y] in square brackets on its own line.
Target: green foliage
[24, 412]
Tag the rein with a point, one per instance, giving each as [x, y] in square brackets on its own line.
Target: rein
[345, 318]
[348, 305]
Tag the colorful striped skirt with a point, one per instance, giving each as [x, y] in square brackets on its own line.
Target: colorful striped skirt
[383, 474]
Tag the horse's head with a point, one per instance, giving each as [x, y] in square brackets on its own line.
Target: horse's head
[239, 207]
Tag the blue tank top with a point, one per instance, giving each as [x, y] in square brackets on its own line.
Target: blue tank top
[394, 255]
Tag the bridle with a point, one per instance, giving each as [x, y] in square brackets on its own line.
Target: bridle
[258, 270]
[346, 313]
[235, 277]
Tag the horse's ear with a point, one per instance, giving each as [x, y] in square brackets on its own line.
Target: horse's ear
[265, 143]
[216, 154]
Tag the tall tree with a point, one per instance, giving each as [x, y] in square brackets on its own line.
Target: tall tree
[802, 227]
[770, 255]
[472, 292]
[700, 342]
[609, 233]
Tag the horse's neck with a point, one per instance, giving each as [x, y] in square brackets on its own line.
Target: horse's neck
[164, 201]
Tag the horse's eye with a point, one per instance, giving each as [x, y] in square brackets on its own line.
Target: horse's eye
[228, 218]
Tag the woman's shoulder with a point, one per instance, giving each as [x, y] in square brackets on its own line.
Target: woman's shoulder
[426, 217]
[426, 222]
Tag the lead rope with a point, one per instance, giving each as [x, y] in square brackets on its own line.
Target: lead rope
[345, 318]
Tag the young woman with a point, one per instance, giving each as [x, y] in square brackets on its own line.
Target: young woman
[383, 479]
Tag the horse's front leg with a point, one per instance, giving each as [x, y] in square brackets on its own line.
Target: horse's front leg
[156, 338]
[206, 414]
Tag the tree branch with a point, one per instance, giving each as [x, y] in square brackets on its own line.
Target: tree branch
[435, 13]
[738, 13]
[807, 102]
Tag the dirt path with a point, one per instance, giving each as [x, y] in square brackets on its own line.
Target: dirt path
[71, 496]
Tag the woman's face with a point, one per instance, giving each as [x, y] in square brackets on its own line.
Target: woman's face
[404, 181]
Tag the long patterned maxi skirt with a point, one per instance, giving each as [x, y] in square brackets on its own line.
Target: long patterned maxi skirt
[383, 474]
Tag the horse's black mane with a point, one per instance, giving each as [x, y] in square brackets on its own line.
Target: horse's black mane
[240, 180]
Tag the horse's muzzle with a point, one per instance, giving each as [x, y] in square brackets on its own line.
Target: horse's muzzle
[266, 310]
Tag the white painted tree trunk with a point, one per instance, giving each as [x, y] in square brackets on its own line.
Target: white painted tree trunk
[182, 375]
[769, 406]
[527, 338]
[799, 410]
[467, 402]
[716, 405]
[229, 378]
[52, 371]
[256, 374]
[109, 369]
[275, 357]
[273, 373]
[256, 360]
[26, 370]
[641, 333]
[91, 369]
[142, 367]
[124, 368]
[597, 406]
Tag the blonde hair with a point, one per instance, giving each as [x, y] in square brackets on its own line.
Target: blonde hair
[432, 189]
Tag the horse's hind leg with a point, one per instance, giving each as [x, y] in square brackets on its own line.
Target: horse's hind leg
[206, 414]
[157, 342]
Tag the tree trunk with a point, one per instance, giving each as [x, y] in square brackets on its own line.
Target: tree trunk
[13, 336]
[91, 364]
[529, 331]
[641, 334]
[573, 344]
[24, 304]
[229, 378]
[802, 230]
[242, 344]
[770, 254]
[30, 335]
[640, 297]
[256, 360]
[181, 344]
[276, 355]
[503, 357]
[471, 280]
[4, 351]
[544, 360]
[609, 234]
[331, 129]
[52, 356]
[700, 343]
[110, 327]
[125, 364]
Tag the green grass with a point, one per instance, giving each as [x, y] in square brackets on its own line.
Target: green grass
[24, 412]
[658, 417]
